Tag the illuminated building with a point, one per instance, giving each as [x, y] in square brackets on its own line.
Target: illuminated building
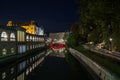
[31, 27]
[14, 41]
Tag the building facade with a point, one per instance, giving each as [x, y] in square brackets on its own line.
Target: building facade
[15, 41]
[31, 27]
[8, 41]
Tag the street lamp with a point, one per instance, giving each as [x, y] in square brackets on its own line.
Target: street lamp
[111, 43]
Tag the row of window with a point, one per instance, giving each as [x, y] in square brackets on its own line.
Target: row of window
[4, 51]
[30, 47]
[34, 38]
[5, 37]
[21, 49]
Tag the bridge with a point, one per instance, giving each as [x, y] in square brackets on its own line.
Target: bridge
[57, 46]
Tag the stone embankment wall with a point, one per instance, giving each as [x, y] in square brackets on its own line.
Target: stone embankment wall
[97, 71]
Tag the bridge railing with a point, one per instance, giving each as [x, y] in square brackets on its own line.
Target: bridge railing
[102, 73]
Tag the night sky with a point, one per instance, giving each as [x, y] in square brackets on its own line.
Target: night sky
[53, 15]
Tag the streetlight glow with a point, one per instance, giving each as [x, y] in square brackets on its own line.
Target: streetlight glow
[110, 39]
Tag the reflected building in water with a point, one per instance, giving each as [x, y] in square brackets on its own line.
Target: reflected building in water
[21, 69]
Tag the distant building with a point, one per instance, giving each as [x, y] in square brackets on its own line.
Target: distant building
[31, 27]
[57, 36]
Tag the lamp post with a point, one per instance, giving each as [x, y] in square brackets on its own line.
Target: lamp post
[111, 45]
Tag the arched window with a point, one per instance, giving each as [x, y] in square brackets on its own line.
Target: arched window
[4, 52]
[27, 38]
[4, 36]
[30, 38]
[12, 37]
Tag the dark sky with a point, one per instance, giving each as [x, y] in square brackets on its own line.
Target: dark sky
[53, 15]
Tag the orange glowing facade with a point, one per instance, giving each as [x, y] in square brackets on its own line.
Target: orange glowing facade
[30, 27]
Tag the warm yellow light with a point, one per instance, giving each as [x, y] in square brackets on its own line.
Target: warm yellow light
[30, 29]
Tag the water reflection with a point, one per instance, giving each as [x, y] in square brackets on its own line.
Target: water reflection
[20, 69]
[59, 50]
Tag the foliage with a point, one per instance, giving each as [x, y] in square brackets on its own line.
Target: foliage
[99, 20]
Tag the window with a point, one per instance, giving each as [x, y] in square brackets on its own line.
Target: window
[27, 71]
[27, 47]
[22, 65]
[24, 48]
[33, 38]
[12, 50]
[12, 37]
[21, 48]
[12, 70]
[4, 36]
[27, 38]
[3, 75]
[30, 38]
[4, 52]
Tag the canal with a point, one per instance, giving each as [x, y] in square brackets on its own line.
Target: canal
[55, 66]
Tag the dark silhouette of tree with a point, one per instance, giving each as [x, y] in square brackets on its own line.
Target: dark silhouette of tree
[99, 20]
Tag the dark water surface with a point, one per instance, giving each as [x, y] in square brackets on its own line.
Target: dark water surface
[55, 66]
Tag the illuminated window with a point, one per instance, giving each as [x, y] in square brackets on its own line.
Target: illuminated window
[4, 36]
[12, 50]
[3, 75]
[27, 38]
[21, 48]
[12, 70]
[33, 38]
[30, 69]
[30, 38]
[27, 71]
[24, 48]
[4, 52]
[12, 37]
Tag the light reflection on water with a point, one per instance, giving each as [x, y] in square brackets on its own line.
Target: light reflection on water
[19, 70]
[59, 50]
